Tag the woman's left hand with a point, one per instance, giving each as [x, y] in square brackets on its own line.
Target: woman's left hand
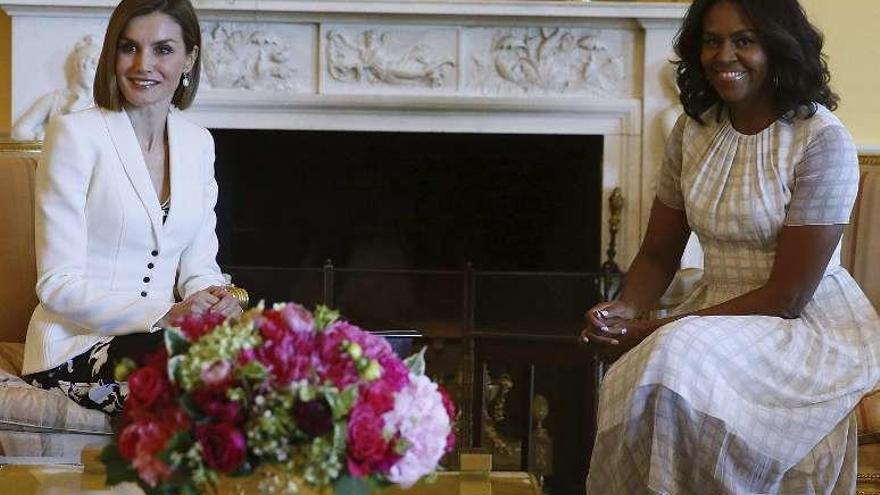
[227, 305]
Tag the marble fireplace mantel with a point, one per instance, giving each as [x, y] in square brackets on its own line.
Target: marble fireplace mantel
[489, 66]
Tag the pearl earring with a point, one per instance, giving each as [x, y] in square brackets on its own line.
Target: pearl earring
[185, 80]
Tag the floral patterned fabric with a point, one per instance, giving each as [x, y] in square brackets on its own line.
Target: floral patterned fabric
[88, 379]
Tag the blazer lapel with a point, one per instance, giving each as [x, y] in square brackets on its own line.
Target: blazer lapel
[129, 151]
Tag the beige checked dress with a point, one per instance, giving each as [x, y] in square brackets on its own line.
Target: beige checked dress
[746, 404]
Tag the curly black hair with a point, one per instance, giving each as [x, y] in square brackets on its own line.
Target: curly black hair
[798, 67]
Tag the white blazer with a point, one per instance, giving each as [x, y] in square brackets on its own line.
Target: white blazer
[106, 264]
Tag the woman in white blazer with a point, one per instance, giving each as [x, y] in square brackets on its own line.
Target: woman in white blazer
[125, 210]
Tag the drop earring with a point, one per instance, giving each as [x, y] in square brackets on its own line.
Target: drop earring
[185, 80]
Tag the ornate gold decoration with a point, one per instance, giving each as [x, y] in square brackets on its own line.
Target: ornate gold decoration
[7, 144]
[541, 455]
[869, 159]
[240, 295]
[496, 392]
[615, 209]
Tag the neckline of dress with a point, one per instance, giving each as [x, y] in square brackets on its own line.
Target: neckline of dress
[728, 123]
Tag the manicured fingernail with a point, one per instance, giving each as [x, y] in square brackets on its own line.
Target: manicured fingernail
[604, 329]
[586, 340]
[614, 342]
[622, 331]
[603, 313]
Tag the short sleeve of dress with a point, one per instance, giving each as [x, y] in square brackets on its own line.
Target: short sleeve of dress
[826, 180]
[669, 182]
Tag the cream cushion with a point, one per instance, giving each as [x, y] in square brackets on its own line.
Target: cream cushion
[27, 408]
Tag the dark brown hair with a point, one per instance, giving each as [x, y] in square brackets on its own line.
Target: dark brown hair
[106, 89]
[798, 68]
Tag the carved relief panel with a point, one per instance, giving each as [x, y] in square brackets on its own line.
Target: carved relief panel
[388, 59]
[549, 60]
[259, 56]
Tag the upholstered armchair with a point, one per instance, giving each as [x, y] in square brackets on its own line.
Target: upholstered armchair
[861, 245]
[859, 254]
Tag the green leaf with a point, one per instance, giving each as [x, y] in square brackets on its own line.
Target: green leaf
[189, 405]
[340, 434]
[253, 371]
[173, 367]
[341, 402]
[306, 393]
[189, 489]
[118, 469]
[416, 362]
[324, 316]
[175, 341]
[350, 485]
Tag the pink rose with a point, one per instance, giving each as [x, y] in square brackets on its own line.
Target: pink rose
[223, 446]
[298, 318]
[219, 373]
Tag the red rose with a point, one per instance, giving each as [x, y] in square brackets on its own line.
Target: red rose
[143, 438]
[194, 326]
[128, 441]
[366, 443]
[147, 384]
[223, 446]
[213, 402]
[157, 359]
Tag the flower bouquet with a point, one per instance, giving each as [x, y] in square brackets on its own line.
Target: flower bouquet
[310, 396]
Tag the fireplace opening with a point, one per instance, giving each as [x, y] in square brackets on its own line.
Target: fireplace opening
[420, 228]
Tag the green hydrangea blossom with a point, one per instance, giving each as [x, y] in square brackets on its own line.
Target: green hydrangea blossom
[223, 343]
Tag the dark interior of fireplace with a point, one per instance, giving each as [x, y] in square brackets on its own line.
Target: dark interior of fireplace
[401, 216]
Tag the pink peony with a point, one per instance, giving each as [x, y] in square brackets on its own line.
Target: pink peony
[288, 358]
[367, 446]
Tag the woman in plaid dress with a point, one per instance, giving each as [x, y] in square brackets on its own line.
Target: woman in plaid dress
[750, 385]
